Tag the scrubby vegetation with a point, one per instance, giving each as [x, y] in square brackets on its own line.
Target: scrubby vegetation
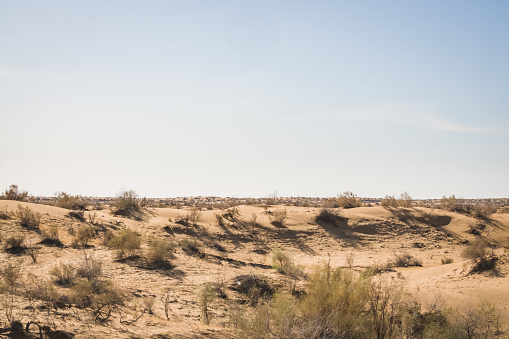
[278, 216]
[14, 193]
[127, 243]
[348, 200]
[128, 204]
[27, 218]
[481, 211]
[70, 202]
[481, 256]
[160, 252]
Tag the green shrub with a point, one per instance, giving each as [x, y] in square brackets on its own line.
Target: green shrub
[27, 218]
[206, 295]
[283, 263]
[83, 235]
[160, 252]
[13, 193]
[126, 242]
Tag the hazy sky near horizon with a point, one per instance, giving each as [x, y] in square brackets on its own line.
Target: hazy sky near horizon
[242, 98]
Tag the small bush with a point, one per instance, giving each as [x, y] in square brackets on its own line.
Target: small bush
[278, 216]
[405, 260]
[348, 200]
[389, 201]
[192, 248]
[65, 274]
[129, 205]
[206, 295]
[83, 235]
[405, 200]
[481, 256]
[446, 261]
[13, 193]
[231, 213]
[70, 202]
[5, 214]
[11, 276]
[483, 211]
[15, 244]
[89, 267]
[252, 286]
[27, 218]
[126, 242]
[160, 252]
[328, 215]
[283, 263]
[219, 220]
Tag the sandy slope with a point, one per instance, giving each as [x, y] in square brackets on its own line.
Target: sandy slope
[371, 234]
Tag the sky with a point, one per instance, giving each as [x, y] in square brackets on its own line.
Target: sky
[245, 98]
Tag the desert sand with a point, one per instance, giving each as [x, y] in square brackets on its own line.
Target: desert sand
[370, 234]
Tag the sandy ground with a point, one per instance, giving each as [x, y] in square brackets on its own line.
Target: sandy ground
[371, 234]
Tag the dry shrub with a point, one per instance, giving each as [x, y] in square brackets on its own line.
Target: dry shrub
[5, 214]
[129, 205]
[405, 200]
[13, 193]
[348, 200]
[192, 248]
[328, 215]
[160, 252]
[219, 220]
[27, 218]
[126, 242]
[15, 244]
[389, 201]
[70, 202]
[404, 260]
[481, 256]
[278, 216]
[64, 274]
[101, 297]
[483, 211]
[232, 213]
[446, 261]
[89, 267]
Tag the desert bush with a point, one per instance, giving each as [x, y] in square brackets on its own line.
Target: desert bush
[64, 274]
[404, 260]
[89, 267]
[481, 256]
[192, 248]
[389, 201]
[126, 242]
[11, 276]
[194, 215]
[348, 200]
[129, 205]
[232, 213]
[283, 263]
[5, 214]
[278, 216]
[101, 297]
[206, 295]
[405, 200]
[70, 202]
[83, 235]
[160, 252]
[15, 244]
[27, 218]
[252, 286]
[483, 211]
[13, 193]
[328, 215]
[446, 261]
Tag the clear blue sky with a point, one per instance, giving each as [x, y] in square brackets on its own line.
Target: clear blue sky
[242, 98]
